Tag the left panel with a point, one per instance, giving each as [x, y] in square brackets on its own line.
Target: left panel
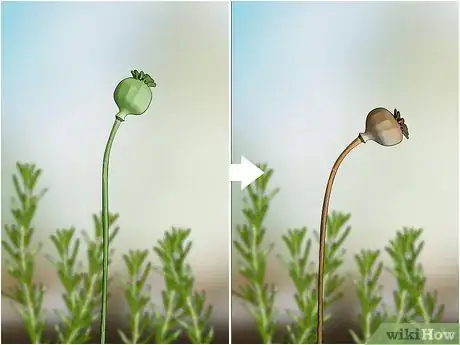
[167, 181]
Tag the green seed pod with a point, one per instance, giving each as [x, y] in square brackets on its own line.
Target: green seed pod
[133, 95]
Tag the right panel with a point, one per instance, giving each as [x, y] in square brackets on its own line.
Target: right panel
[305, 79]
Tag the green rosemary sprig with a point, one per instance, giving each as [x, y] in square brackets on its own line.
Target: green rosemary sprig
[17, 244]
[181, 302]
[337, 233]
[303, 275]
[369, 294]
[138, 297]
[77, 323]
[81, 288]
[258, 296]
[413, 303]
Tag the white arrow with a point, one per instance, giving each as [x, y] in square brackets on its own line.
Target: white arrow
[246, 172]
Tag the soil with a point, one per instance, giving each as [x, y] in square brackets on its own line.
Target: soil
[15, 334]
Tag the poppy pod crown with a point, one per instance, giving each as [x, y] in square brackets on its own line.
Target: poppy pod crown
[385, 128]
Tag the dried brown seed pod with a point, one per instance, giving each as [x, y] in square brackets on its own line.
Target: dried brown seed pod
[385, 128]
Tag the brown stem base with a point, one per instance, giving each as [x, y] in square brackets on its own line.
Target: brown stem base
[322, 233]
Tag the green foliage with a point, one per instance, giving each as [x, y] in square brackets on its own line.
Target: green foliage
[304, 275]
[337, 233]
[138, 297]
[258, 295]
[180, 301]
[412, 301]
[82, 289]
[369, 293]
[183, 308]
[22, 253]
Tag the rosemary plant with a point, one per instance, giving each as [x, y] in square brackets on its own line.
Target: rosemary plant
[337, 233]
[181, 303]
[258, 296]
[82, 289]
[303, 274]
[412, 301]
[184, 309]
[138, 297]
[369, 294]
[77, 322]
[21, 252]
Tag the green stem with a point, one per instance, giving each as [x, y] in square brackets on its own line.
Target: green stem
[167, 319]
[105, 224]
[426, 317]
[28, 292]
[264, 321]
[195, 322]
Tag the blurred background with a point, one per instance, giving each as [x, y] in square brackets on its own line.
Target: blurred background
[60, 65]
[305, 75]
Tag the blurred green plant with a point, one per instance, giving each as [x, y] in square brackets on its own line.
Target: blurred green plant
[369, 294]
[138, 297]
[182, 303]
[258, 296]
[185, 309]
[22, 252]
[303, 274]
[82, 289]
[411, 300]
